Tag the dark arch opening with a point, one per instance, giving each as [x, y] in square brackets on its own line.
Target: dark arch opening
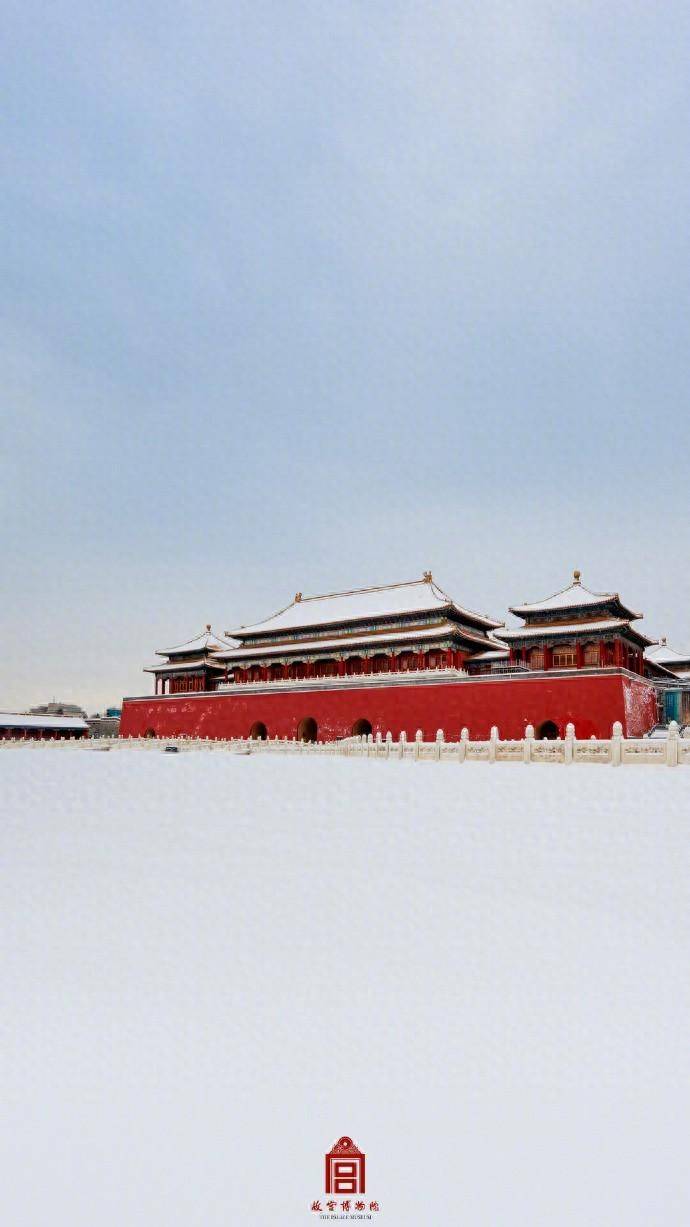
[150, 733]
[547, 731]
[307, 729]
[361, 728]
[258, 731]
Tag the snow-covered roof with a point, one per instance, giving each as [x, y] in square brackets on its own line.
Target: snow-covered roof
[662, 654]
[182, 666]
[572, 628]
[17, 720]
[575, 596]
[417, 596]
[346, 642]
[205, 642]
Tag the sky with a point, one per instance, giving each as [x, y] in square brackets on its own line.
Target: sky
[306, 296]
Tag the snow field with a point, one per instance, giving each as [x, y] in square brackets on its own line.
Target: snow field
[213, 966]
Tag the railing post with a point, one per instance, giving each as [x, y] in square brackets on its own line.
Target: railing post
[417, 742]
[672, 744]
[569, 743]
[462, 747]
[493, 741]
[389, 743]
[527, 744]
[616, 744]
[402, 743]
[439, 743]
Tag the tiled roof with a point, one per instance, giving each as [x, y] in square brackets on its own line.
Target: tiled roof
[575, 596]
[362, 604]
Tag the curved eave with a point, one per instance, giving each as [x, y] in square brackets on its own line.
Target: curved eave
[254, 639]
[206, 642]
[320, 647]
[185, 666]
[654, 669]
[575, 630]
[618, 610]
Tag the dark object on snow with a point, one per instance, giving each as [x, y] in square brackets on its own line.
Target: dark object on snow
[171, 750]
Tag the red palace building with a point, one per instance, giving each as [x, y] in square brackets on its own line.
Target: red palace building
[406, 657]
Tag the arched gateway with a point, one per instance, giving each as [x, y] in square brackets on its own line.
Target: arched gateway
[258, 731]
[307, 729]
[361, 728]
[547, 731]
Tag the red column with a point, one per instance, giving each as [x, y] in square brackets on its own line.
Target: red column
[617, 653]
[548, 657]
[311, 672]
[602, 653]
[449, 658]
[341, 667]
[394, 662]
[367, 664]
[579, 656]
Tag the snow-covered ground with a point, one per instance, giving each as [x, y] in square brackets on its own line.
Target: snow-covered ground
[214, 966]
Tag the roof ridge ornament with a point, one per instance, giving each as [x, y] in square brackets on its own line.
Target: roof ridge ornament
[298, 598]
[428, 577]
[577, 576]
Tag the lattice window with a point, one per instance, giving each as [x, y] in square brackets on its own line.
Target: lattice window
[564, 656]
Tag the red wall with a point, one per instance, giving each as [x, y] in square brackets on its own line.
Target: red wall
[592, 702]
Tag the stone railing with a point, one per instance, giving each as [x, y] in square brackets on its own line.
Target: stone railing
[616, 750]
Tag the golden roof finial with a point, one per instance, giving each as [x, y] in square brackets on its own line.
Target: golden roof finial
[208, 626]
[427, 577]
[576, 576]
[298, 598]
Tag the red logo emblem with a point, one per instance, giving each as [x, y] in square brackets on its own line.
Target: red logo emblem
[345, 1168]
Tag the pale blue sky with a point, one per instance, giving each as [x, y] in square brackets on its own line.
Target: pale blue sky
[304, 295]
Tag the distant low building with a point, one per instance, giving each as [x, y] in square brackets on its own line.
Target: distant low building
[19, 726]
[57, 708]
[106, 724]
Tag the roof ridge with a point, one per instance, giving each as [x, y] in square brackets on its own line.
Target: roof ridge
[575, 583]
[205, 634]
[407, 583]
